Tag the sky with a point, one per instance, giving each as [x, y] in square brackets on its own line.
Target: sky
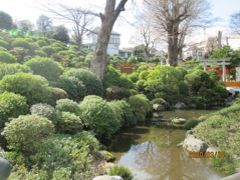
[31, 10]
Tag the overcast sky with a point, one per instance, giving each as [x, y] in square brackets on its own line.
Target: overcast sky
[30, 9]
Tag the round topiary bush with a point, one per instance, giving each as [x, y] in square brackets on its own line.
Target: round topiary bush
[6, 69]
[11, 105]
[4, 44]
[67, 105]
[140, 106]
[33, 87]
[44, 110]
[58, 93]
[6, 57]
[21, 42]
[49, 50]
[121, 171]
[92, 83]
[98, 116]
[69, 123]
[124, 113]
[45, 67]
[26, 132]
[115, 92]
[73, 86]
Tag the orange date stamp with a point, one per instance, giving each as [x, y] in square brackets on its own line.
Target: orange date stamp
[215, 154]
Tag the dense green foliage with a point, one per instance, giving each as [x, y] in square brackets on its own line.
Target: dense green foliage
[45, 67]
[92, 83]
[67, 105]
[6, 57]
[6, 69]
[44, 110]
[98, 116]
[11, 105]
[73, 86]
[18, 131]
[113, 77]
[222, 129]
[69, 123]
[5, 21]
[34, 88]
[124, 172]
[192, 86]
[140, 106]
[124, 113]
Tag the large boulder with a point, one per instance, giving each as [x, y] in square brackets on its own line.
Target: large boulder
[5, 168]
[194, 145]
[106, 177]
[180, 105]
[159, 107]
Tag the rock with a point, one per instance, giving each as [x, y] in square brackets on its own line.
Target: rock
[212, 149]
[178, 120]
[180, 144]
[237, 170]
[106, 177]
[189, 132]
[5, 168]
[180, 105]
[232, 177]
[194, 145]
[107, 156]
[159, 107]
[156, 115]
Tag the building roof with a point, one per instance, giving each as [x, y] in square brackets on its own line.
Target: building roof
[96, 30]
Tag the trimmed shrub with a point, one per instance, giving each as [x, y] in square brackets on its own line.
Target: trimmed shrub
[11, 105]
[115, 92]
[140, 106]
[6, 69]
[33, 87]
[69, 123]
[45, 67]
[98, 116]
[113, 77]
[121, 171]
[124, 113]
[49, 50]
[6, 57]
[58, 93]
[92, 83]
[73, 86]
[5, 44]
[26, 132]
[44, 110]
[67, 105]
[21, 42]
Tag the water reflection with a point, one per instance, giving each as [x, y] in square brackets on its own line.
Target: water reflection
[152, 154]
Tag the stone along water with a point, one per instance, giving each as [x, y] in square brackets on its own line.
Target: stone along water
[152, 153]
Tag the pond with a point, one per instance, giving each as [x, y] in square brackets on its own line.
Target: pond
[152, 153]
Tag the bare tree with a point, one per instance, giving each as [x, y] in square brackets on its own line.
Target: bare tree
[80, 18]
[108, 18]
[235, 22]
[145, 36]
[173, 19]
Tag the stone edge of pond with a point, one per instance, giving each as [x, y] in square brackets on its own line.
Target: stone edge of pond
[193, 144]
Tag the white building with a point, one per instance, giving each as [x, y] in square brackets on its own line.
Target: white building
[114, 42]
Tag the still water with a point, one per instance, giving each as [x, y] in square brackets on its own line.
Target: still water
[152, 152]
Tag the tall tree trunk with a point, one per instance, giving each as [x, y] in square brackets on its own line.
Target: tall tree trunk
[173, 45]
[99, 62]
